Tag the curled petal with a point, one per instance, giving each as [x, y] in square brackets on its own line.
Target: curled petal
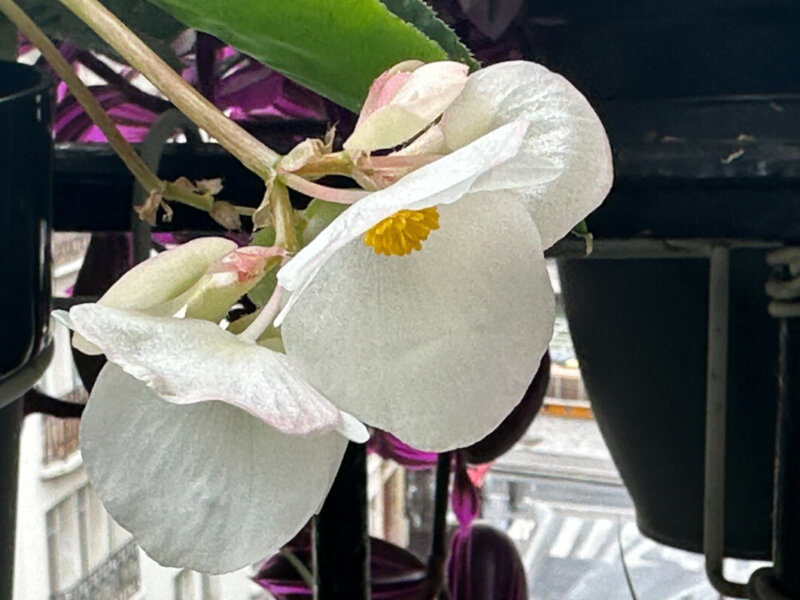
[186, 361]
[438, 183]
[166, 275]
[563, 170]
[441, 343]
[160, 284]
[192, 483]
[386, 86]
[401, 104]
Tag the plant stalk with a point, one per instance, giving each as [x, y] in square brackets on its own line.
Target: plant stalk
[437, 560]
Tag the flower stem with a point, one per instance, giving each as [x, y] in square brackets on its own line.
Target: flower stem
[323, 192]
[146, 178]
[282, 213]
[252, 153]
[302, 570]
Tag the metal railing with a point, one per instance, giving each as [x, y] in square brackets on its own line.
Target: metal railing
[117, 578]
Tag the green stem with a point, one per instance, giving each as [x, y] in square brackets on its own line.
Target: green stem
[252, 153]
[146, 178]
[174, 192]
[280, 208]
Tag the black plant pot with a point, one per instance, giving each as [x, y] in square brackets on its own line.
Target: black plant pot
[640, 333]
[25, 208]
[25, 224]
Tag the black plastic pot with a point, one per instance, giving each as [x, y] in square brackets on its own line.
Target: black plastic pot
[25, 222]
[640, 333]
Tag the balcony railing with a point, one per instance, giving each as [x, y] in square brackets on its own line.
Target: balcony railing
[115, 579]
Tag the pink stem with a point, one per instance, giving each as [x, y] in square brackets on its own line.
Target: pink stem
[323, 192]
[394, 161]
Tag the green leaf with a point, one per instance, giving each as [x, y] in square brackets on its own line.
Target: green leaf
[264, 237]
[262, 291]
[151, 23]
[334, 47]
[424, 18]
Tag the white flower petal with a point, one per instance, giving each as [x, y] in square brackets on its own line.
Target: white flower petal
[187, 361]
[438, 183]
[564, 168]
[437, 346]
[203, 486]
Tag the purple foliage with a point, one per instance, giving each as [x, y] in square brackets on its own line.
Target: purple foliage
[466, 496]
[389, 447]
[250, 92]
[246, 90]
[506, 45]
[395, 573]
[491, 17]
[485, 565]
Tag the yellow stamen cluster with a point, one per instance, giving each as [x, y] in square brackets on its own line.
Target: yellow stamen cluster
[403, 232]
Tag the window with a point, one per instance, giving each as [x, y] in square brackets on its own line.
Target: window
[190, 585]
[387, 510]
[80, 537]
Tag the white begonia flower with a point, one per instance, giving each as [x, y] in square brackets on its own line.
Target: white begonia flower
[211, 450]
[438, 346]
[403, 101]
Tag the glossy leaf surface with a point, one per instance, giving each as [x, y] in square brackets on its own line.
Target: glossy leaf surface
[334, 47]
